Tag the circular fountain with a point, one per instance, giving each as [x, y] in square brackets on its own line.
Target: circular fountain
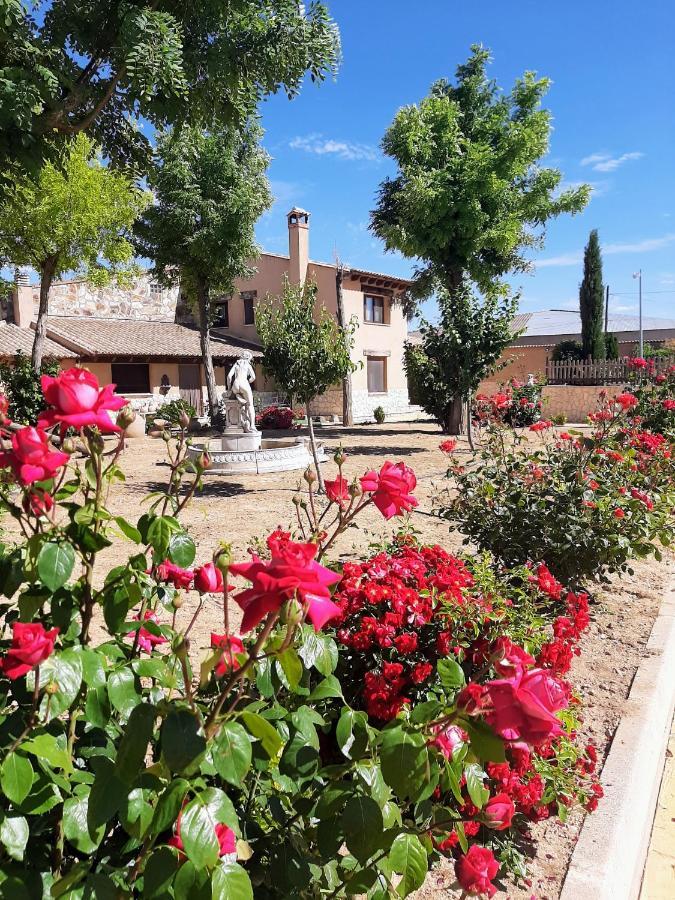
[241, 449]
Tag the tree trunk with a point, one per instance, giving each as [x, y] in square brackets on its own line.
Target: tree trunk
[454, 417]
[47, 270]
[469, 428]
[205, 341]
[312, 443]
[347, 411]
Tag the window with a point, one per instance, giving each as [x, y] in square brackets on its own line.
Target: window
[222, 316]
[376, 368]
[155, 289]
[131, 378]
[373, 309]
[249, 306]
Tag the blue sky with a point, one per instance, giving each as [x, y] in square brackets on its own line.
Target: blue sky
[612, 100]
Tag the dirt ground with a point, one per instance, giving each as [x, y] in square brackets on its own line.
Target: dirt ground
[240, 509]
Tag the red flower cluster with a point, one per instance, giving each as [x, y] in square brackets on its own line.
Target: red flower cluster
[557, 654]
[448, 446]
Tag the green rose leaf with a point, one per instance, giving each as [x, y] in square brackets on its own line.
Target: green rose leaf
[451, 674]
[169, 805]
[352, 733]
[16, 777]
[231, 882]
[484, 742]
[318, 650]
[76, 824]
[266, 733]
[183, 742]
[159, 872]
[182, 550]
[65, 671]
[408, 857]
[55, 564]
[198, 826]
[14, 835]
[159, 534]
[232, 753]
[329, 687]
[362, 826]
[47, 748]
[291, 667]
[404, 761]
[474, 785]
[128, 530]
[123, 691]
[134, 744]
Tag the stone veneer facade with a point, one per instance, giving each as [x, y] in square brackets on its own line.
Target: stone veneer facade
[142, 299]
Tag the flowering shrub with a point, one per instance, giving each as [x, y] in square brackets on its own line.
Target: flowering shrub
[517, 404]
[655, 395]
[585, 505]
[278, 417]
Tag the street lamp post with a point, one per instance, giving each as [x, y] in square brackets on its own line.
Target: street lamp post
[638, 275]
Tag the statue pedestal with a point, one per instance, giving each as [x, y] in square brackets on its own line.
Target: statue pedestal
[234, 437]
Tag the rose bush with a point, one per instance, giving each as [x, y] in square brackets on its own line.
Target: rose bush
[655, 395]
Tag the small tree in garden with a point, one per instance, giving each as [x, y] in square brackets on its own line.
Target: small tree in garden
[20, 384]
[457, 353]
[210, 190]
[74, 216]
[592, 301]
[470, 198]
[305, 350]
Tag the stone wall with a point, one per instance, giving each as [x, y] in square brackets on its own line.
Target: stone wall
[574, 401]
[142, 299]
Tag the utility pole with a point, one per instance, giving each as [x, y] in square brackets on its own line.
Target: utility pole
[606, 308]
[638, 275]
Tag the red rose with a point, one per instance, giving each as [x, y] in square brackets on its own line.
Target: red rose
[230, 647]
[78, 401]
[31, 457]
[146, 638]
[31, 645]
[499, 812]
[471, 698]
[208, 579]
[291, 573]
[38, 503]
[448, 446]
[450, 739]
[619, 513]
[337, 490]
[227, 840]
[523, 707]
[475, 871]
[179, 578]
[391, 488]
[541, 426]
[510, 659]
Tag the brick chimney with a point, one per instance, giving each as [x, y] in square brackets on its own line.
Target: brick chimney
[298, 245]
[23, 299]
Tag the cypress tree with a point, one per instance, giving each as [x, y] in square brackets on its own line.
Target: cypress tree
[592, 301]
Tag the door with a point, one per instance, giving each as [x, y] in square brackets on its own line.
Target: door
[190, 385]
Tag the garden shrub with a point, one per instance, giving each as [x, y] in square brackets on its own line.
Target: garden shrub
[567, 350]
[282, 417]
[20, 384]
[178, 413]
[655, 393]
[517, 404]
[572, 503]
[379, 415]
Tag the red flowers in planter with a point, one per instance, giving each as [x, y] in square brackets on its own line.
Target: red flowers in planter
[78, 401]
[31, 645]
[391, 488]
[523, 708]
[31, 457]
[291, 573]
[475, 871]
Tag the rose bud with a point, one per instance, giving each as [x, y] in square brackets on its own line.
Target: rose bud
[203, 461]
[125, 417]
[499, 811]
[183, 419]
[222, 558]
[178, 601]
[355, 489]
[309, 476]
[208, 579]
[339, 457]
[68, 445]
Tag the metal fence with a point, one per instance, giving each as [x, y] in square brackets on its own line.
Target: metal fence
[594, 372]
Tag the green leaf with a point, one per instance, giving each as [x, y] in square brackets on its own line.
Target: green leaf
[182, 550]
[123, 692]
[405, 761]
[55, 564]
[474, 785]
[159, 872]
[198, 826]
[266, 733]
[107, 795]
[183, 741]
[352, 733]
[130, 760]
[408, 857]
[128, 530]
[65, 671]
[160, 532]
[451, 674]
[47, 748]
[488, 746]
[318, 650]
[14, 835]
[169, 805]
[291, 667]
[76, 824]
[232, 753]
[16, 777]
[329, 687]
[231, 882]
[362, 826]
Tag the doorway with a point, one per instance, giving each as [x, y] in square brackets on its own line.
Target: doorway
[190, 385]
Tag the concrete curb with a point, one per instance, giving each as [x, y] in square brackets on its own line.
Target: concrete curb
[609, 858]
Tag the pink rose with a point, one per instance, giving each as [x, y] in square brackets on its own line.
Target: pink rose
[31, 457]
[179, 578]
[227, 839]
[208, 579]
[499, 812]
[450, 739]
[475, 871]
[337, 490]
[78, 401]
[391, 488]
[231, 647]
[510, 659]
[291, 573]
[146, 639]
[523, 707]
[31, 645]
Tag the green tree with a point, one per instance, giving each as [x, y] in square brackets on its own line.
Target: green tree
[103, 65]
[457, 353]
[305, 350]
[73, 216]
[611, 346]
[470, 198]
[592, 301]
[210, 190]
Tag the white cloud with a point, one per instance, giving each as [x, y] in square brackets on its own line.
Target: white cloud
[576, 257]
[605, 162]
[323, 146]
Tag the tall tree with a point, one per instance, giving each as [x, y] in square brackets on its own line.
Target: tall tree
[104, 65]
[210, 190]
[470, 198]
[592, 301]
[305, 349]
[75, 216]
[458, 352]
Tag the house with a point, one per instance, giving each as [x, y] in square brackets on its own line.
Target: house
[144, 337]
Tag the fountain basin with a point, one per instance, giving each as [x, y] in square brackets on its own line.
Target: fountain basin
[275, 455]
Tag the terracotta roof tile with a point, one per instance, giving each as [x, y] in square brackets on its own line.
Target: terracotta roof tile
[15, 340]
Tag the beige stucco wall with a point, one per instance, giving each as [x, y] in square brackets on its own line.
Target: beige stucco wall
[574, 401]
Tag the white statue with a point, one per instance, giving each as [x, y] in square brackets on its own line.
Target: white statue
[239, 380]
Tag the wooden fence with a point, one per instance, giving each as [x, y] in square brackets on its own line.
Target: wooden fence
[594, 372]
